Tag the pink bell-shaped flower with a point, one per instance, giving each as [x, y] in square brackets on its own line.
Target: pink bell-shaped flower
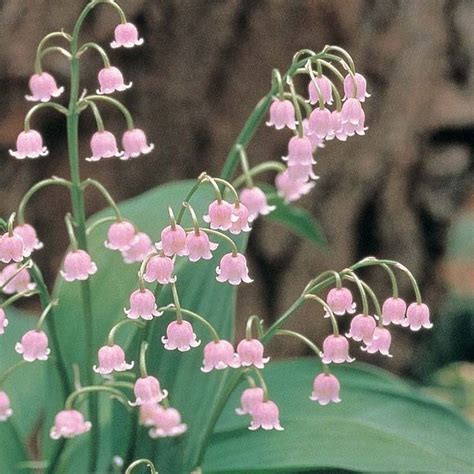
[350, 129]
[336, 349]
[255, 200]
[338, 130]
[340, 301]
[181, 336]
[12, 248]
[282, 114]
[249, 400]
[103, 145]
[323, 84]
[3, 321]
[173, 241]
[362, 328]
[140, 247]
[219, 355]
[233, 268]
[289, 189]
[111, 80]
[380, 342]
[29, 144]
[68, 424]
[325, 389]
[135, 143]
[160, 269]
[242, 222]
[43, 86]
[33, 346]
[220, 215]
[148, 390]
[199, 246]
[126, 36]
[316, 142]
[393, 311]
[142, 305]
[300, 151]
[78, 265]
[320, 122]
[167, 423]
[250, 352]
[266, 415]
[301, 172]
[5, 408]
[361, 85]
[352, 112]
[30, 239]
[111, 359]
[21, 282]
[120, 235]
[418, 316]
[147, 412]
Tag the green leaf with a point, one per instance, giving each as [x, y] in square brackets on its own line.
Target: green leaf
[190, 389]
[25, 388]
[297, 219]
[381, 425]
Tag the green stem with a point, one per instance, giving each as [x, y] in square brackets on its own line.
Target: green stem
[335, 327]
[27, 264]
[297, 335]
[49, 105]
[70, 232]
[249, 325]
[99, 49]
[296, 105]
[99, 222]
[179, 315]
[245, 166]
[10, 370]
[16, 297]
[98, 118]
[277, 84]
[393, 279]
[125, 112]
[55, 49]
[256, 170]
[69, 403]
[113, 331]
[101, 188]
[45, 313]
[141, 461]
[143, 349]
[198, 183]
[262, 382]
[193, 216]
[55, 34]
[360, 286]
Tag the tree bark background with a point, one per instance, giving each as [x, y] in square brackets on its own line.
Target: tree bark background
[202, 69]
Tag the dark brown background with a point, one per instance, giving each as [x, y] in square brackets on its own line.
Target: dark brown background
[205, 64]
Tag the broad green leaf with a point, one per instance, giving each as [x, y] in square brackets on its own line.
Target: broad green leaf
[191, 391]
[381, 425]
[297, 219]
[25, 388]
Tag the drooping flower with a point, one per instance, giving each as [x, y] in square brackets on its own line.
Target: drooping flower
[380, 342]
[78, 265]
[323, 84]
[167, 423]
[250, 352]
[220, 215]
[103, 145]
[111, 80]
[282, 114]
[142, 305]
[352, 112]
[199, 246]
[12, 248]
[43, 86]
[336, 349]
[362, 328]
[5, 408]
[393, 311]
[120, 235]
[338, 130]
[301, 172]
[255, 201]
[140, 247]
[418, 316]
[173, 241]
[361, 85]
[320, 122]
[160, 269]
[233, 268]
[30, 239]
[126, 35]
[3, 321]
[250, 398]
[33, 346]
[340, 301]
[325, 389]
[68, 424]
[266, 415]
[316, 142]
[350, 129]
[181, 336]
[242, 222]
[289, 189]
[135, 143]
[300, 151]
[21, 282]
[111, 359]
[29, 144]
[148, 390]
[146, 413]
[219, 355]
